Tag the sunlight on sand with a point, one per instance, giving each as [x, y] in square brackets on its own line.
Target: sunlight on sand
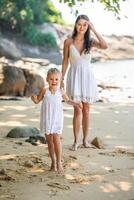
[121, 147]
[110, 136]
[69, 177]
[116, 122]
[68, 115]
[2, 109]
[107, 168]
[34, 120]
[8, 157]
[36, 169]
[20, 108]
[18, 115]
[125, 186]
[109, 188]
[12, 123]
[69, 126]
[132, 173]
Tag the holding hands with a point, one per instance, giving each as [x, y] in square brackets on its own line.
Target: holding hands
[34, 98]
[78, 105]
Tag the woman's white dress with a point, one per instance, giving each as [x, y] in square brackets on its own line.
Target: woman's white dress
[51, 119]
[81, 84]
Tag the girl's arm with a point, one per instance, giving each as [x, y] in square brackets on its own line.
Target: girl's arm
[70, 101]
[100, 43]
[37, 98]
[65, 60]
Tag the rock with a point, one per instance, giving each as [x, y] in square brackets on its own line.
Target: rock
[22, 132]
[35, 139]
[15, 81]
[12, 81]
[34, 83]
[8, 49]
[28, 163]
[2, 172]
[97, 142]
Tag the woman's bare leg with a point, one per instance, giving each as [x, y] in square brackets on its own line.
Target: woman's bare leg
[51, 151]
[85, 124]
[76, 127]
[58, 152]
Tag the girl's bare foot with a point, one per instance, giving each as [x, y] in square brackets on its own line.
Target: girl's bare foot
[74, 147]
[53, 167]
[59, 167]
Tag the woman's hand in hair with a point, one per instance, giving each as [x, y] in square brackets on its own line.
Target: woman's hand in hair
[91, 26]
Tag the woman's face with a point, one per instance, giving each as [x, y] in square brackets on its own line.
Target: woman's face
[82, 26]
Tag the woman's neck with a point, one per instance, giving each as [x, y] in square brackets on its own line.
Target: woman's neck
[79, 37]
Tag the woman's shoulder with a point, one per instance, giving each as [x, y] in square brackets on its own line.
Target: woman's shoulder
[68, 41]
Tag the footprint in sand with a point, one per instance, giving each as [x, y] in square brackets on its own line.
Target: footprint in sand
[59, 186]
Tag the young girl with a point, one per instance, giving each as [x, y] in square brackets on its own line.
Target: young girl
[52, 115]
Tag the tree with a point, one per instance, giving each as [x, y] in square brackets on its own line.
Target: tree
[21, 16]
[110, 5]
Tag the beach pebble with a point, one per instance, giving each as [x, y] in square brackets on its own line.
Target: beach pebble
[97, 142]
[28, 163]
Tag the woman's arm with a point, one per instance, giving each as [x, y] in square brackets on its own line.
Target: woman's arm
[100, 43]
[70, 101]
[65, 60]
[37, 98]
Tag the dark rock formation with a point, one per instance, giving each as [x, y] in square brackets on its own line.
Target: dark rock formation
[22, 132]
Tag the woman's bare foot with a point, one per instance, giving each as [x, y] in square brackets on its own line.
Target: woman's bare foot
[74, 147]
[59, 167]
[53, 167]
[87, 144]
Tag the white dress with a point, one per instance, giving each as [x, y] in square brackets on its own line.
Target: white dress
[81, 83]
[51, 119]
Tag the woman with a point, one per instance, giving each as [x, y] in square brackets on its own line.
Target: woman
[81, 84]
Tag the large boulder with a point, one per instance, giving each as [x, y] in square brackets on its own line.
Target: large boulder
[23, 132]
[34, 83]
[12, 81]
[16, 81]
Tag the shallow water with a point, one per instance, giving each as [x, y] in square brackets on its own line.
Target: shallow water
[116, 74]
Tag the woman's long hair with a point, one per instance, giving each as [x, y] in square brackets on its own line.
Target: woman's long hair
[87, 39]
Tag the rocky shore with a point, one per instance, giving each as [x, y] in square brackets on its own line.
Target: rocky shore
[11, 47]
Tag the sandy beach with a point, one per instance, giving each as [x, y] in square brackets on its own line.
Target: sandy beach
[88, 173]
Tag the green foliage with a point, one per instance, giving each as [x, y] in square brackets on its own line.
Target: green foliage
[35, 37]
[110, 5]
[21, 15]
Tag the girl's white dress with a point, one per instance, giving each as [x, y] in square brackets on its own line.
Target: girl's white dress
[51, 119]
[81, 83]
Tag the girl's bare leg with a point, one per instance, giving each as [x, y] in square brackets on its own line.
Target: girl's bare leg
[76, 127]
[85, 124]
[51, 151]
[58, 152]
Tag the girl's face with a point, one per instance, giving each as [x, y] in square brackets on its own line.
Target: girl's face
[82, 26]
[54, 80]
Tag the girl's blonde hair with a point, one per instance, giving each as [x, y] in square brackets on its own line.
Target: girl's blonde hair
[53, 71]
